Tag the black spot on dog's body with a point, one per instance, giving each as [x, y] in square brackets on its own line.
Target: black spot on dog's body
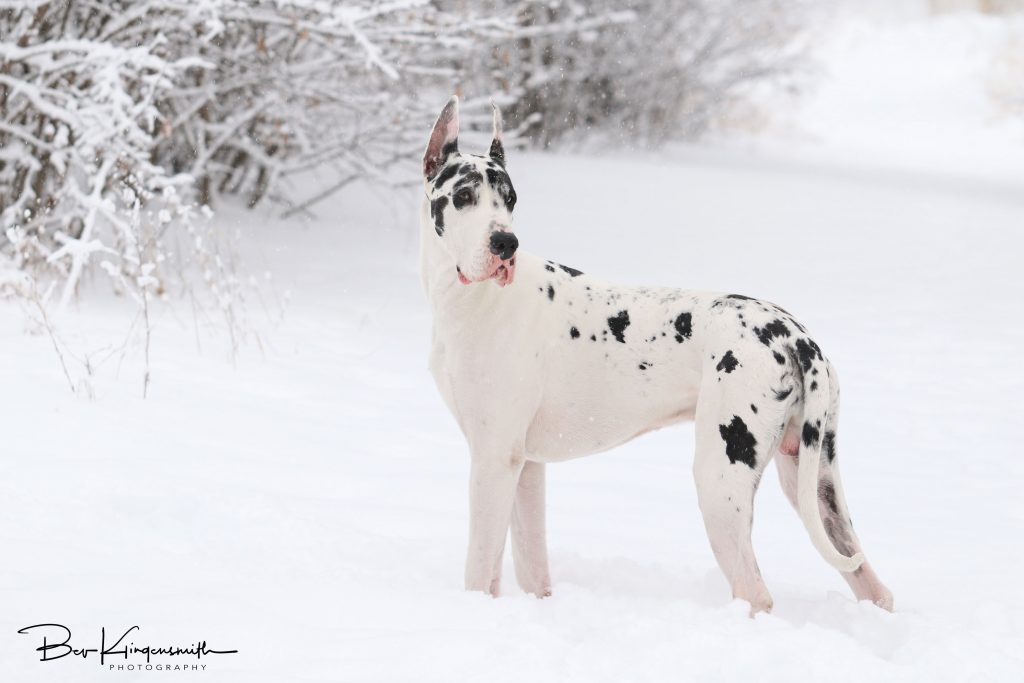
[572, 271]
[644, 365]
[783, 394]
[828, 444]
[574, 333]
[814, 385]
[739, 442]
[753, 408]
[779, 358]
[684, 326]
[437, 213]
[448, 173]
[827, 494]
[502, 184]
[807, 351]
[548, 267]
[810, 434]
[728, 362]
[618, 324]
[497, 152]
[775, 328]
[469, 180]
[593, 337]
[551, 293]
[740, 297]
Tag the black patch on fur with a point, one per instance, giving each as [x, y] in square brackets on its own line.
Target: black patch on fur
[828, 444]
[814, 385]
[502, 184]
[779, 358]
[447, 174]
[684, 326]
[548, 267]
[437, 213]
[807, 351]
[784, 394]
[551, 293]
[470, 179]
[753, 408]
[574, 333]
[740, 297]
[810, 435]
[497, 152]
[728, 362]
[827, 494]
[775, 328]
[449, 149]
[644, 365]
[593, 337]
[739, 442]
[618, 324]
[572, 271]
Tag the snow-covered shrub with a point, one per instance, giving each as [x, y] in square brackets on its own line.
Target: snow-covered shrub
[642, 70]
[79, 113]
[106, 105]
[207, 97]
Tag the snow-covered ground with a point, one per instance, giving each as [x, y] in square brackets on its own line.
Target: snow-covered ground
[306, 504]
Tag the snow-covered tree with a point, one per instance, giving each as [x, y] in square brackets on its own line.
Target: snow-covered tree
[116, 116]
[642, 71]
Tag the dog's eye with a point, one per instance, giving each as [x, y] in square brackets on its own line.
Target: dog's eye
[463, 197]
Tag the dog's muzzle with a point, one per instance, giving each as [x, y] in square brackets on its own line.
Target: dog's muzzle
[502, 263]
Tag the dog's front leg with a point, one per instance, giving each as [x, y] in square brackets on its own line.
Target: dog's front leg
[529, 545]
[492, 487]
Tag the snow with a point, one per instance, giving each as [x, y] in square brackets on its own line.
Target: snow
[912, 91]
[305, 501]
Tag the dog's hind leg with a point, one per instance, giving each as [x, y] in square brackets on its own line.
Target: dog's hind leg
[832, 506]
[529, 545]
[733, 448]
[492, 487]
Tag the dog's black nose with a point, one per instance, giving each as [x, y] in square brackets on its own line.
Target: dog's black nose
[504, 245]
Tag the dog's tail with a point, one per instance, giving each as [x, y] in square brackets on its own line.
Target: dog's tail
[817, 404]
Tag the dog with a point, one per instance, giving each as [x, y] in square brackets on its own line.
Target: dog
[540, 363]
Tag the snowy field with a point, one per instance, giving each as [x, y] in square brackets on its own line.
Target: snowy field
[308, 507]
[305, 502]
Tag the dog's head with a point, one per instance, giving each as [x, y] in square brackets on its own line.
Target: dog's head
[471, 202]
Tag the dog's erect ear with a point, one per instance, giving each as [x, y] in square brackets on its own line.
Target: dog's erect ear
[497, 149]
[444, 139]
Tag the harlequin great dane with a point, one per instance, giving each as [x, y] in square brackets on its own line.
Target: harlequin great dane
[539, 363]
